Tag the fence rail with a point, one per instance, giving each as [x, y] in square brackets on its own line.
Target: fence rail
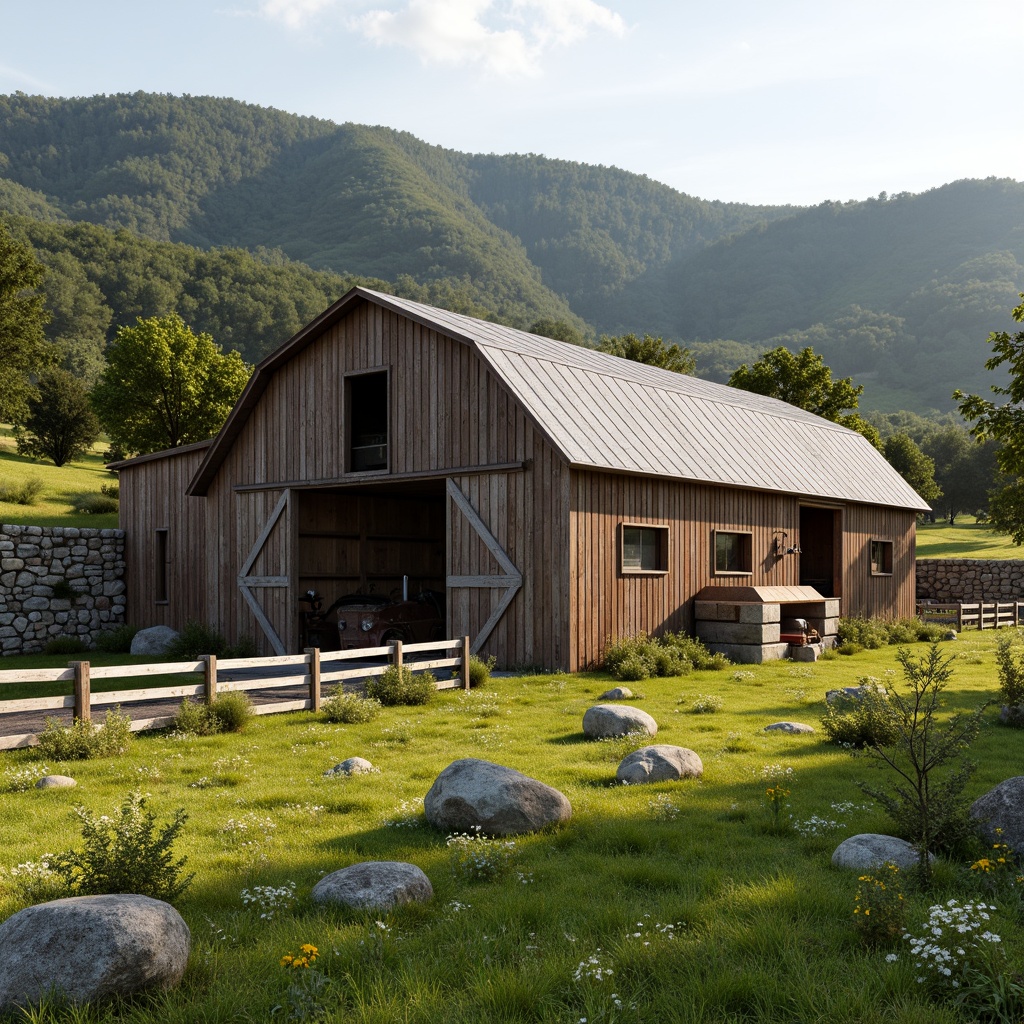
[977, 615]
[321, 667]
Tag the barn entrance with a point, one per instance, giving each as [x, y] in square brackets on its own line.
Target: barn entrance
[820, 547]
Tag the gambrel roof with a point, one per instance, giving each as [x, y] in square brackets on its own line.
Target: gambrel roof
[606, 413]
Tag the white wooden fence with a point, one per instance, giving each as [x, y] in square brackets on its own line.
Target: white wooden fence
[318, 668]
[978, 615]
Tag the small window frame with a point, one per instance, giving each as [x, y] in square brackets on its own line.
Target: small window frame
[880, 554]
[660, 547]
[746, 553]
[161, 582]
[350, 380]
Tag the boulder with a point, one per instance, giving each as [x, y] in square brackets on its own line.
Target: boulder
[351, 766]
[90, 947]
[56, 782]
[1012, 715]
[617, 693]
[473, 794]
[153, 641]
[1003, 808]
[374, 885]
[608, 720]
[853, 693]
[659, 763]
[791, 727]
[870, 851]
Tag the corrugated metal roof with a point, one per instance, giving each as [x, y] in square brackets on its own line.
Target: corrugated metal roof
[607, 413]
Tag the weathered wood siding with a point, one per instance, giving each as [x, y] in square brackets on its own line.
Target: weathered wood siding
[883, 597]
[153, 498]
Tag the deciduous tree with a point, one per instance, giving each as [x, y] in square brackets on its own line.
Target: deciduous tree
[918, 469]
[166, 386]
[652, 351]
[60, 424]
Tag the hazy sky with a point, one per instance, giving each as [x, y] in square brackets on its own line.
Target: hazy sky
[739, 100]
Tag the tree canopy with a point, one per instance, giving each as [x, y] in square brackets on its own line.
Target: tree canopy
[166, 386]
[652, 351]
[918, 469]
[60, 424]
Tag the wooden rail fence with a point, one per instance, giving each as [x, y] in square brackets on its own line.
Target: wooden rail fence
[979, 615]
[321, 668]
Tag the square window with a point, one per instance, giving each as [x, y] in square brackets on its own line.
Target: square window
[644, 548]
[733, 553]
[881, 558]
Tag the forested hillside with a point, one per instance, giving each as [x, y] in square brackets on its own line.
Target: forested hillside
[248, 221]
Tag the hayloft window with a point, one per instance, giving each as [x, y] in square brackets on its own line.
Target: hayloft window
[881, 558]
[733, 553]
[366, 399]
[160, 590]
[644, 548]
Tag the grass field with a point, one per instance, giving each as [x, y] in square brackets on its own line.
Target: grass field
[761, 924]
[53, 507]
[965, 539]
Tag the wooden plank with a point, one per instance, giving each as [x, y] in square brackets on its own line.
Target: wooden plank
[314, 677]
[82, 688]
[433, 645]
[152, 693]
[36, 675]
[264, 684]
[19, 741]
[269, 525]
[280, 707]
[263, 581]
[10, 707]
[261, 618]
[145, 724]
[354, 653]
[353, 673]
[269, 662]
[425, 666]
[170, 668]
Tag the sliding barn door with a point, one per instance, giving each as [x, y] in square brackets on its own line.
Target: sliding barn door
[264, 577]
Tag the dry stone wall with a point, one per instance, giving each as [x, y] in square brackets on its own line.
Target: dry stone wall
[36, 561]
[970, 579]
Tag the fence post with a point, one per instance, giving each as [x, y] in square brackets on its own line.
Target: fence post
[83, 694]
[396, 654]
[210, 677]
[313, 653]
[465, 662]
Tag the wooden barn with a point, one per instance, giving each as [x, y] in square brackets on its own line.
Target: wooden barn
[555, 496]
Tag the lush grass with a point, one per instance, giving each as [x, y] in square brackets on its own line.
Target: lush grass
[763, 923]
[965, 539]
[53, 507]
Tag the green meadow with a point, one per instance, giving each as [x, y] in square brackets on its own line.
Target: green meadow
[966, 538]
[675, 902]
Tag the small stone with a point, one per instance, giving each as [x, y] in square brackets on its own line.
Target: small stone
[659, 763]
[56, 782]
[351, 766]
[617, 693]
[870, 851]
[153, 641]
[793, 727]
[609, 720]
[374, 885]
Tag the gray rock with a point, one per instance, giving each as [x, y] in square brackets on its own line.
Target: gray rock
[1003, 807]
[870, 851]
[90, 947]
[853, 693]
[474, 794]
[1012, 715]
[791, 727]
[608, 720]
[659, 763]
[374, 885]
[617, 693]
[153, 641]
[351, 766]
[56, 782]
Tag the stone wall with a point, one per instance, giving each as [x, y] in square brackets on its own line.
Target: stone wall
[970, 579]
[36, 559]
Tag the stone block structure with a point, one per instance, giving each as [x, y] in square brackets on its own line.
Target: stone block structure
[58, 581]
[969, 580]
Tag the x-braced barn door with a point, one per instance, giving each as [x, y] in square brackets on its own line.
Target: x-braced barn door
[509, 579]
[264, 592]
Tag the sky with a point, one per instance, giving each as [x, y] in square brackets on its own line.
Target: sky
[797, 101]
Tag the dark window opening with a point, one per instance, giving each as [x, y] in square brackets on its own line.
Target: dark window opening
[881, 558]
[160, 594]
[733, 552]
[644, 548]
[367, 395]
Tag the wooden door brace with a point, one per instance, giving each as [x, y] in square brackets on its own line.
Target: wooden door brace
[247, 583]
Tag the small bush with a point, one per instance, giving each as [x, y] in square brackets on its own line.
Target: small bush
[64, 645]
[848, 648]
[638, 657]
[860, 721]
[866, 633]
[879, 911]
[83, 740]
[111, 490]
[195, 640]
[694, 652]
[25, 493]
[244, 648]
[1010, 661]
[480, 670]
[875, 633]
[94, 504]
[229, 712]
[117, 640]
[633, 668]
[706, 704]
[631, 658]
[125, 852]
[350, 708]
[399, 686]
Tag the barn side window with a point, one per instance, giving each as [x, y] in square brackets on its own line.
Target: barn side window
[160, 575]
[366, 399]
[881, 558]
[644, 548]
[733, 553]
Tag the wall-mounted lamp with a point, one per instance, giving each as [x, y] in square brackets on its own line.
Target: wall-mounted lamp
[779, 546]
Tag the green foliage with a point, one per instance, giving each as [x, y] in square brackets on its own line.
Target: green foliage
[165, 386]
[94, 504]
[879, 907]
[1010, 661]
[194, 640]
[860, 721]
[860, 633]
[349, 708]
[924, 758]
[480, 670]
[652, 351]
[84, 740]
[912, 464]
[229, 712]
[399, 685]
[25, 492]
[64, 645]
[117, 640]
[639, 657]
[125, 852]
[60, 425]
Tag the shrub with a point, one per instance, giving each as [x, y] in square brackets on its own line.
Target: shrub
[25, 493]
[875, 633]
[244, 648]
[117, 640]
[694, 652]
[480, 670]
[400, 686]
[640, 656]
[111, 490]
[350, 708]
[83, 740]
[859, 721]
[869, 633]
[879, 910]
[1011, 671]
[125, 852]
[195, 640]
[631, 658]
[229, 712]
[64, 645]
[94, 504]
[706, 704]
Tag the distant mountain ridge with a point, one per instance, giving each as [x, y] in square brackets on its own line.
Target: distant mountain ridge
[901, 292]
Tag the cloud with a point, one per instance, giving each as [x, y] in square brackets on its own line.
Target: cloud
[507, 39]
[294, 14]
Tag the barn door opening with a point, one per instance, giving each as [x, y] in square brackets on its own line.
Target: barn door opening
[508, 579]
[820, 545]
[263, 578]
